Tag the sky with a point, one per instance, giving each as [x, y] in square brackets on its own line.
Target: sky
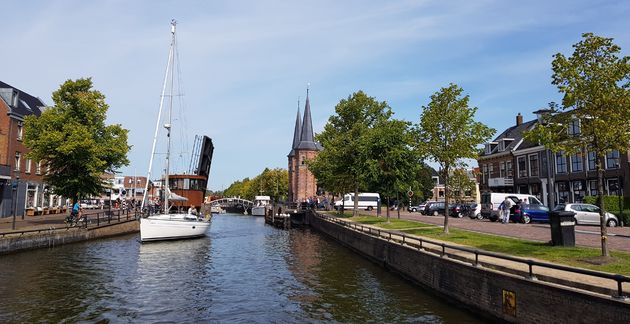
[245, 64]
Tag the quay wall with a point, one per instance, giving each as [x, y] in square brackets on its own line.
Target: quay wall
[52, 238]
[484, 291]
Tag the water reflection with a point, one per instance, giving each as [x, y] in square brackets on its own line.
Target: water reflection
[243, 271]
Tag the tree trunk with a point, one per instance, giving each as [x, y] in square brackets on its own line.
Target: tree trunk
[356, 202]
[388, 209]
[446, 194]
[600, 197]
[398, 207]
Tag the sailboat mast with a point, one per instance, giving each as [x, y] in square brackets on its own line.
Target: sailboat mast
[168, 126]
[157, 123]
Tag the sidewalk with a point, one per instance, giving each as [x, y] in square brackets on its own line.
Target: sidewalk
[42, 221]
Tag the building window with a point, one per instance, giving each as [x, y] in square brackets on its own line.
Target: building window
[612, 160]
[592, 186]
[20, 131]
[576, 162]
[38, 167]
[578, 190]
[522, 167]
[591, 161]
[27, 167]
[18, 158]
[303, 159]
[612, 186]
[561, 163]
[501, 169]
[574, 127]
[508, 166]
[533, 165]
[563, 192]
[488, 150]
[484, 172]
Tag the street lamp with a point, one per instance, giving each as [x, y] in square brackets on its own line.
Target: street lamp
[14, 187]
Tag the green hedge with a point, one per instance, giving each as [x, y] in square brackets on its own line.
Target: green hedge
[611, 203]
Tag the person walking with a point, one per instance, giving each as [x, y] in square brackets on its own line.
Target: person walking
[505, 209]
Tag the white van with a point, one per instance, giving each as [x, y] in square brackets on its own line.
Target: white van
[367, 201]
[490, 202]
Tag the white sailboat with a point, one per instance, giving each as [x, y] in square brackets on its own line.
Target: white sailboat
[169, 226]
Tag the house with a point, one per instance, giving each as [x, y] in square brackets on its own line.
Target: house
[22, 189]
[512, 164]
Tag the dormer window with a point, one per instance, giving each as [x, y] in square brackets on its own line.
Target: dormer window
[490, 147]
[504, 143]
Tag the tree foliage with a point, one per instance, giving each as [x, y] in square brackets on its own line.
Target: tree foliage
[448, 132]
[73, 142]
[271, 182]
[595, 84]
[341, 166]
[460, 182]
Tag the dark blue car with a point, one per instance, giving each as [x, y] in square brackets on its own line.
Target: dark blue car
[531, 213]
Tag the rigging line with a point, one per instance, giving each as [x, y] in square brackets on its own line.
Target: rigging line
[184, 140]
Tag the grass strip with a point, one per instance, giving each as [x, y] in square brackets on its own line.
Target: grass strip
[582, 257]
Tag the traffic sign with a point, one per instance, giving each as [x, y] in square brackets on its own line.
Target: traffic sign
[410, 193]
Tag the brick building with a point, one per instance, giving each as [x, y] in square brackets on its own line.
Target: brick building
[302, 182]
[21, 186]
[511, 164]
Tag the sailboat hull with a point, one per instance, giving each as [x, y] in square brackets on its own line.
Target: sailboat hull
[171, 227]
[259, 210]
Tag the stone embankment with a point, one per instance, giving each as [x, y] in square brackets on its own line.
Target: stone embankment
[495, 292]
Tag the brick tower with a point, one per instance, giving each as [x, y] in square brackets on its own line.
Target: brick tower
[302, 182]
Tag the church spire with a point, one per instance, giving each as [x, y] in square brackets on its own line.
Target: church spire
[297, 132]
[307, 141]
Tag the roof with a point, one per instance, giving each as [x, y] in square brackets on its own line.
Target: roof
[297, 132]
[26, 103]
[515, 134]
[307, 140]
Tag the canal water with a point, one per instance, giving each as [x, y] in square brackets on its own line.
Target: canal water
[243, 271]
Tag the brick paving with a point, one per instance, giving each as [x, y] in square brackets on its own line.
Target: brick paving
[584, 235]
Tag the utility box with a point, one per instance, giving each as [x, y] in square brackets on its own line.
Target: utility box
[562, 228]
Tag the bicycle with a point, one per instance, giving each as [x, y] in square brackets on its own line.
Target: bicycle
[72, 220]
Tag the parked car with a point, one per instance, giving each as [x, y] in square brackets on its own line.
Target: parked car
[474, 211]
[530, 213]
[588, 214]
[456, 210]
[434, 208]
[417, 208]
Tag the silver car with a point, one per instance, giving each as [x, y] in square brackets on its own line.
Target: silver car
[587, 214]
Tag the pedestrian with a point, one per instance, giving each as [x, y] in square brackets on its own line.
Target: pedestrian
[519, 209]
[505, 209]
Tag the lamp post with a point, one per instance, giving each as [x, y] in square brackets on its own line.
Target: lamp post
[14, 188]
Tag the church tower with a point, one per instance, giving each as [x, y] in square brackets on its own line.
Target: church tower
[302, 182]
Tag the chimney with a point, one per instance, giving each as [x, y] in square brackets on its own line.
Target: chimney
[519, 119]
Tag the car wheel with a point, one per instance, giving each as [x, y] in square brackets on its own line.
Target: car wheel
[479, 216]
[435, 213]
[369, 208]
[526, 219]
[611, 223]
[413, 210]
[493, 219]
[460, 215]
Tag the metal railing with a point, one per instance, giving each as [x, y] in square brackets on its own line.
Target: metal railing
[407, 240]
[92, 219]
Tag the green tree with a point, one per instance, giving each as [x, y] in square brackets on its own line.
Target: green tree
[460, 183]
[343, 140]
[448, 133]
[595, 110]
[392, 163]
[71, 138]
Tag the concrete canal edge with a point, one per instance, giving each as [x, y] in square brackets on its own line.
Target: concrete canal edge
[488, 292]
[52, 238]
